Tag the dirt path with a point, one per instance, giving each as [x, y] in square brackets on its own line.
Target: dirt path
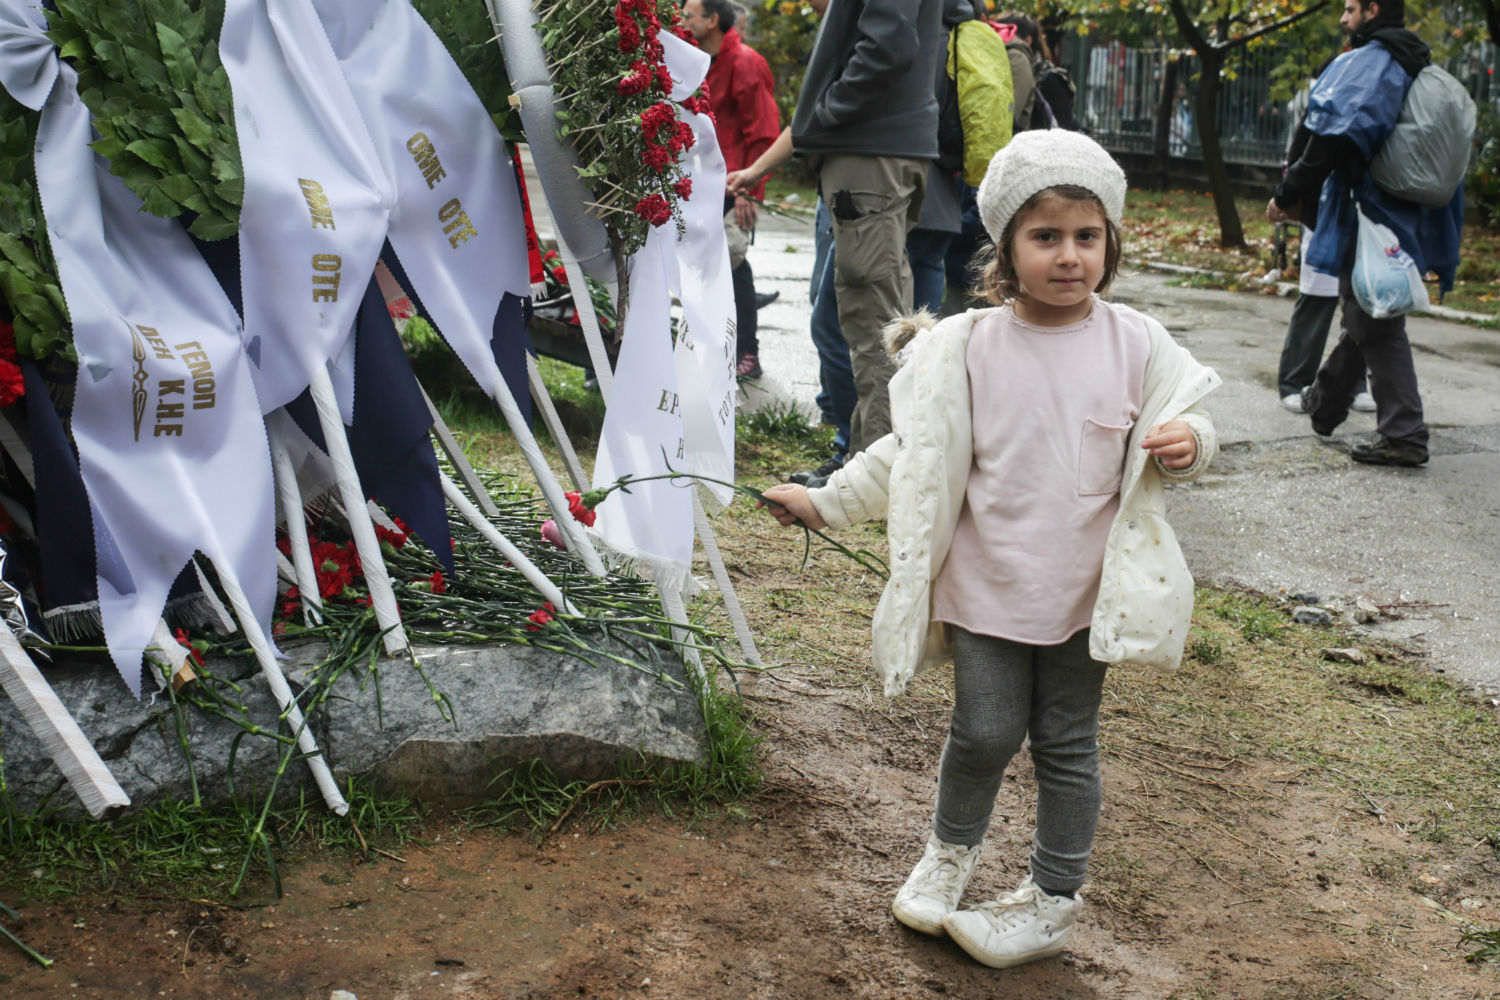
[1275, 827]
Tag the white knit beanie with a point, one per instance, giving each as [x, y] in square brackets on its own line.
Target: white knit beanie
[1043, 158]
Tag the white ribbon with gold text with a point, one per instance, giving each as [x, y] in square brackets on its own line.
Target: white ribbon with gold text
[316, 200]
[456, 223]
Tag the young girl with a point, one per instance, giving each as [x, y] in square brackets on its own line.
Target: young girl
[1022, 487]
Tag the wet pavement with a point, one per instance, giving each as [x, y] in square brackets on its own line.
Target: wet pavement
[1281, 511]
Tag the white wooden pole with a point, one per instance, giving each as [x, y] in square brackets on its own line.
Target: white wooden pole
[45, 713]
[382, 598]
[266, 658]
[505, 547]
[296, 521]
[555, 425]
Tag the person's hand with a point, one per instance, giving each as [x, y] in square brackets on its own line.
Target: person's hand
[744, 213]
[742, 181]
[1274, 212]
[789, 503]
[1173, 442]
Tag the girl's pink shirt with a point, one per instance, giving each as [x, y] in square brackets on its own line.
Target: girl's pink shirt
[1053, 408]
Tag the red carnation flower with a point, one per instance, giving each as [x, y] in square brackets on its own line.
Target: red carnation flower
[540, 617]
[684, 188]
[663, 79]
[655, 118]
[654, 209]
[435, 581]
[630, 33]
[656, 157]
[682, 137]
[12, 380]
[581, 511]
[182, 637]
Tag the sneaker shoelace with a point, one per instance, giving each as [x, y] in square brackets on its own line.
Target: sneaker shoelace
[941, 879]
[1013, 908]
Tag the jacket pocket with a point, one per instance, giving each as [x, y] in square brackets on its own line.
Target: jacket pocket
[1101, 457]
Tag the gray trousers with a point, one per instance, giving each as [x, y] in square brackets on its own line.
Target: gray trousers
[1306, 336]
[1379, 346]
[1003, 692]
[875, 202]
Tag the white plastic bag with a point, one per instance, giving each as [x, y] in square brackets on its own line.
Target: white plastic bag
[1386, 280]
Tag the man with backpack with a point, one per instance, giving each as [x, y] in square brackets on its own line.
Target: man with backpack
[1353, 111]
[1052, 89]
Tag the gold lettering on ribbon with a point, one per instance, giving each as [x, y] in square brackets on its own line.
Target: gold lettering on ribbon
[318, 205]
[668, 403]
[425, 155]
[681, 449]
[325, 277]
[456, 223]
[202, 371]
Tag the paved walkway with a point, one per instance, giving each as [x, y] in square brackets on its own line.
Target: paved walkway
[1281, 511]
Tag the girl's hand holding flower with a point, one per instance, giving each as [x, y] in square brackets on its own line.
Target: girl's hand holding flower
[1174, 443]
[789, 503]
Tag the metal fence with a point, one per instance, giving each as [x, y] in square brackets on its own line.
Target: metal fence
[1119, 89]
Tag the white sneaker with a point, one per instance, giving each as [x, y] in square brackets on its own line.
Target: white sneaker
[933, 889]
[1364, 403]
[1020, 926]
[1292, 403]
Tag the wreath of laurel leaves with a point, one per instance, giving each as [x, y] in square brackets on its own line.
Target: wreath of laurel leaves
[28, 276]
[150, 74]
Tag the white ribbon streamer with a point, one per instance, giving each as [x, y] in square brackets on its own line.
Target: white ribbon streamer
[705, 353]
[316, 199]
[652, 525]
[456, 223]
[171, 454]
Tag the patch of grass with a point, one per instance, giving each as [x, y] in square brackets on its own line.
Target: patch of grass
[1256, 618]
[1489, 945]
[177, 847]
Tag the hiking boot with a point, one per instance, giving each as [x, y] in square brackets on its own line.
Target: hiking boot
[1293, 403]
[932, 891]
[814, 478]
[1021, 926]
[1363, 402]
[763, 299]
[748, 366]
[1381, 450]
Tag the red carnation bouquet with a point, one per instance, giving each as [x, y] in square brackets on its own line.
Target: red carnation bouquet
[610, 75]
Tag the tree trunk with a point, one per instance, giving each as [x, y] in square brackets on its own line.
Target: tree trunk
[1161, 135]
[1231, 234]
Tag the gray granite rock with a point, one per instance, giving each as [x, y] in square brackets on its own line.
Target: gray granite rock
[1308, 615]
[510, 704]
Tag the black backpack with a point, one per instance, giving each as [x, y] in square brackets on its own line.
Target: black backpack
[1056, 86]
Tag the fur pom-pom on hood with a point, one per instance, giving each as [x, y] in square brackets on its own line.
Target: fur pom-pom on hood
[902, 330]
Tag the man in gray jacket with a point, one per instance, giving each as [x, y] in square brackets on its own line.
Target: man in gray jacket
[868, 117]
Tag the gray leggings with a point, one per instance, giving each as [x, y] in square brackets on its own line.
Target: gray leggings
[1004, 691]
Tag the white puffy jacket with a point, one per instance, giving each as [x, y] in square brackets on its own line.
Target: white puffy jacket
[916, 476]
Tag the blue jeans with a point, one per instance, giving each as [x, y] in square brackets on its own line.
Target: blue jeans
[927, 249]
[836, 397]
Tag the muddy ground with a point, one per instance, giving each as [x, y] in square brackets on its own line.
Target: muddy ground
[1270, 830]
